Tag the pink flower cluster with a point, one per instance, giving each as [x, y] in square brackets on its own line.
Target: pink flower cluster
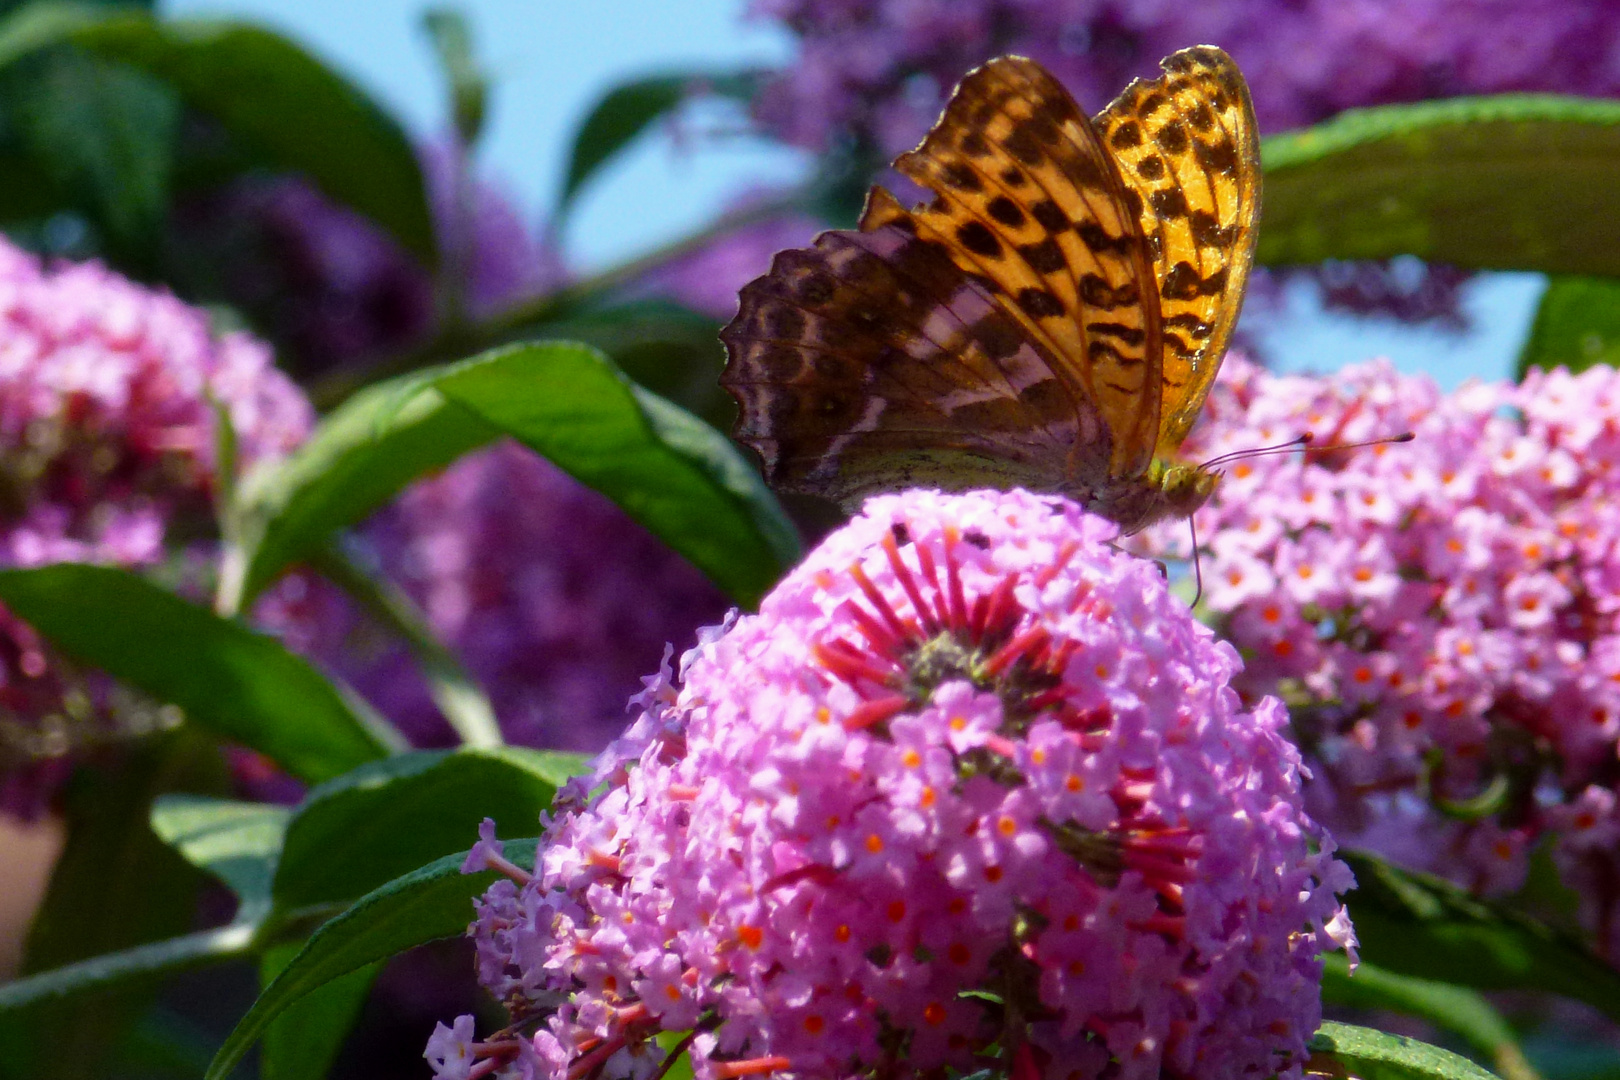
[970, 790]
[107, 445]
[1443, 617]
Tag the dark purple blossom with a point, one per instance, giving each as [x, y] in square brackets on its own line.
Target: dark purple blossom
[332, 287]
[880, 69]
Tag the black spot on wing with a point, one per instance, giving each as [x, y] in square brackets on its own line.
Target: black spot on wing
[1006, 212]
[1182, 282]
[961, 176]
[1097, 293]
[1045, 257]
[977, 238]
[1039, 304]
[1169, 203]
[1126, 136]
[1050, 216]
[1130, 335]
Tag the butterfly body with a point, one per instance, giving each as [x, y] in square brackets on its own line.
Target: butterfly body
[1051, 320]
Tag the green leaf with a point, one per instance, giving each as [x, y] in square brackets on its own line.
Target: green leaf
[303, 1041]
[669, 349]
[359, 458]
[1373, 1055]
[452, 687]
[384, 819]
[1521, 181]
[130, 967]
[1420, 925]
[426, 905]
[237, 842]
[236, 683]
[1449, 1007]
[672, 473]
[628, 109]
[294, 111]
[1577, 325]
[105, 133]
[678, 477]
[27, 191]
[116, 889]
[469, 86]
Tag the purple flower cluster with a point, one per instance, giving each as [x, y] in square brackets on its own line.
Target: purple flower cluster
[708, 280]
[333, 287]
[107, 452]
[555, 600]
[970, 788]
[1443, 617]
[880, 69]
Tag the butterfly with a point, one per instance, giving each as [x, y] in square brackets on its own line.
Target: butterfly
[1052, 320]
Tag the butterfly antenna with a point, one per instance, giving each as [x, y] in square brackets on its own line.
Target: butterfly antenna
[1388, 440]
[1304, 444]
[1299, 442]
[1198, 564]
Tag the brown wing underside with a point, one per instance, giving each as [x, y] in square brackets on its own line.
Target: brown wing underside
[1187, 141]
[870, 362]
[1006, 334]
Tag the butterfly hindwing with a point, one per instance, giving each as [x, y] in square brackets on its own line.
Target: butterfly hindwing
[1030, 203]
[1187, 142]
[870, 361]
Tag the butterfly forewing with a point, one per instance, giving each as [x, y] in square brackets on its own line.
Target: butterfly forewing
[1187, 142]
[1029, 202]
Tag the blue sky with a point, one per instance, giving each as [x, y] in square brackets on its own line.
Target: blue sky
[552, 59]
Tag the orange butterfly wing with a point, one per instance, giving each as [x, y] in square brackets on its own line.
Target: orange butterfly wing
[1187, 142]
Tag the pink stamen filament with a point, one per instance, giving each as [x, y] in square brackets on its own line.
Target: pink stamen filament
[1156, 868]
[509, 868]
[1170, 926]
[958, 605]
[1024, 643]
[821, 875]
[873, 712]
[725, 1070]
[1001, 612]
[1060, 562]
[881, 638]
[850, 663]
[879, 602]
[1000, 744]
[909, 584]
